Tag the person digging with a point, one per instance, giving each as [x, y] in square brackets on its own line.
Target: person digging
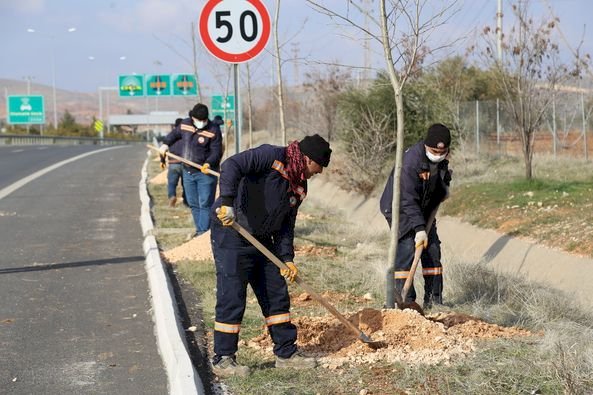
[261, 189]
[424, 184]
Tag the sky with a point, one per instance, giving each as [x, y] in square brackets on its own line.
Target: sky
[108, 38]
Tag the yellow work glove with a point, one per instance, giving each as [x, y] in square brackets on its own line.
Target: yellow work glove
[290, 272]
[421, 239]
[226, 215]
[205, 168]
[163, 149]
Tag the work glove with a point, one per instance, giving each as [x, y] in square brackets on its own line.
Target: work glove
[163, 149]
[163, 161]
[226, 215]
[421, 239]
[290, 272]
[205, 168]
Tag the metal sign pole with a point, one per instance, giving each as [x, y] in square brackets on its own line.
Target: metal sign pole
[237, 108]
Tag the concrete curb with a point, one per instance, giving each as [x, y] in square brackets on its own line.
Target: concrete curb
[182, 377]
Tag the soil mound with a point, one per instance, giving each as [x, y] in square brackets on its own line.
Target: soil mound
[198, 248]
[408, 337]
[160, 178]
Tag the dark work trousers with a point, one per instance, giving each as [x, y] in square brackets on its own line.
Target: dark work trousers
[238, 263]
[432, 269]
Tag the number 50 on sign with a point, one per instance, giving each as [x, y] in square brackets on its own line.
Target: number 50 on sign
[235, 31]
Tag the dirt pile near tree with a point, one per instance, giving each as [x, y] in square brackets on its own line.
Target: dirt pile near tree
[407, 336]
[197, 249]
[160, 178]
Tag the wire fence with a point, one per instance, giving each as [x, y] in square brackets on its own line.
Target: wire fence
[487, 128]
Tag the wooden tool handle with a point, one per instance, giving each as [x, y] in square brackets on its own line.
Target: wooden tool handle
[187, 162]
[417, 255]
[298, 280]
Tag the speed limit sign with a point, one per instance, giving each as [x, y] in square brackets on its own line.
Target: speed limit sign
[235, 31]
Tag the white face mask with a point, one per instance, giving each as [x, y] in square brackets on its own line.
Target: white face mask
[435, 158]
[200, 124]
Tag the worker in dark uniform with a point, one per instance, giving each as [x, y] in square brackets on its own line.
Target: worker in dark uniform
[175, 170]
[202, 144]
[424, 184]
[261, 189]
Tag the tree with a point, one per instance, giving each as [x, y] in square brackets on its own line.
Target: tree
[326, 87]
[280, 92]
[402, 34]
[528, 74]
[68, 124]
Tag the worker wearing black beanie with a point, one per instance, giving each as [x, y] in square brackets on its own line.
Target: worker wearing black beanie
[423, 185]
[316, 148]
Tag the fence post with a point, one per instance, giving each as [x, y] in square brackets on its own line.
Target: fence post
[584, 125]
[498, 126]
[554, 124]
[477, 127]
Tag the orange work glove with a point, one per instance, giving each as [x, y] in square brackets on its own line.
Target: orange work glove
[290, 272]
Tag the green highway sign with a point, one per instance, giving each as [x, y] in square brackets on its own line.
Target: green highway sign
[221, 103]
[131, 85]
[158, 85]
[184, 85]
[25, 110]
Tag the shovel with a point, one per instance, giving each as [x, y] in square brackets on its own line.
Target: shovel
[417, 255]
[360, 334]
[187, 162]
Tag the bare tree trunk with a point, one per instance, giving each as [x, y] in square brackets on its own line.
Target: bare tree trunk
[399, 104]
[195, 62]
[249, 107]
[279, 75]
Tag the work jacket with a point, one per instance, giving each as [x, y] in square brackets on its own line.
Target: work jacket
[255, 183]
[423, 186]
[176, 149]
[198, 145]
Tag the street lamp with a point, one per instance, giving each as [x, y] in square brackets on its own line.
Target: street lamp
[28, 78]
[53, 68]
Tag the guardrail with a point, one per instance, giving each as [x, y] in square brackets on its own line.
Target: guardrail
[27, 139]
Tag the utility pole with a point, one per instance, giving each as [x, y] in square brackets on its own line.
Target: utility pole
[367, 42]
[295, 63]
[499, 30]
[499, 53]
[28, 78]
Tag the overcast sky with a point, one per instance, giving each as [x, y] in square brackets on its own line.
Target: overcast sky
[114, 37]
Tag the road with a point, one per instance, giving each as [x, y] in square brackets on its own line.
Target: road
[75, 310]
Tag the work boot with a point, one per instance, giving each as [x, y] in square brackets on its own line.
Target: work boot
[227, 366]
[296, 361]
[172, 201]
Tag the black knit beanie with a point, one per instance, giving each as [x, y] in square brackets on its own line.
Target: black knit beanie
[438, 136]
[316, 148]
[199, 112]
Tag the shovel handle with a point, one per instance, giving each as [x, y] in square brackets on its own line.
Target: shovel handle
[257, 244]
[417, 255]
[187, 162]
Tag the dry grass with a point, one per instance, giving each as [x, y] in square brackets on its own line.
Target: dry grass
[556, 362]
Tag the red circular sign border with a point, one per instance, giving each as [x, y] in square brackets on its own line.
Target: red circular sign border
[226, 56]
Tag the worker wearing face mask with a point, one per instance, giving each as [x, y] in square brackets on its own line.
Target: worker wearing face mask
[424, 184]
[202, 144]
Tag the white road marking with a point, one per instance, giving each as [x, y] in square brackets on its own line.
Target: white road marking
[24, 181]
[17, 150]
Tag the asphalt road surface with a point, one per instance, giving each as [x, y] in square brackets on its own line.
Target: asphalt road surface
[74, 305]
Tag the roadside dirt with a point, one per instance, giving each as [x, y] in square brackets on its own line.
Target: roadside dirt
[406, 335]
[198, 249]
[160, 178]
